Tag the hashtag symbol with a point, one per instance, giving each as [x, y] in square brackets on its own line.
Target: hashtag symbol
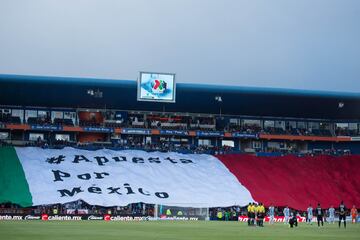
[56, 160]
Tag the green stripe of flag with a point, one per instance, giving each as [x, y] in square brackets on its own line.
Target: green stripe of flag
[13, 185]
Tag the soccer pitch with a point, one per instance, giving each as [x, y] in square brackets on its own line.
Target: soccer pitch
[168, 230]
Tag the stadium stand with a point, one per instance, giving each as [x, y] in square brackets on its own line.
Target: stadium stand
[287, 154]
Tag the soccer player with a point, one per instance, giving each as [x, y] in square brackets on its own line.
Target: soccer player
[260, 215]
[293, 220]
[271, 214]
[353, 214]
[253, 209]
[309, 215]
[342, 213]
[257, 212]
[286, 215]
[331, 214]
[319, 215]
[249, 213]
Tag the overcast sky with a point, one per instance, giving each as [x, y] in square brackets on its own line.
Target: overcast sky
[304, 44]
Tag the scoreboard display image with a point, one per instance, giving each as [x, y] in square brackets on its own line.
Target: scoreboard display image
[157, 87]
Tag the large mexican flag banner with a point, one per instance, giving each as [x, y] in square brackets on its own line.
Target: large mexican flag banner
[32, 176]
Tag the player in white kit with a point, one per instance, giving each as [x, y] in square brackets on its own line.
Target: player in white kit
[331, 215]
[309, 216]
[286, 215]
[271, 214]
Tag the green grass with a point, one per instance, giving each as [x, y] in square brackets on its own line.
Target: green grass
[36, 230]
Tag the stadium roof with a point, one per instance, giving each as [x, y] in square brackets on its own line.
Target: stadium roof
[193, 98]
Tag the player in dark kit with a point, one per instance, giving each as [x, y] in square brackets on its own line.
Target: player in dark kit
[342, 214]
[319, 215]
[293, 220]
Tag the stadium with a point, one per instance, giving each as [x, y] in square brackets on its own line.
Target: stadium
[120, 159]
[180, 119]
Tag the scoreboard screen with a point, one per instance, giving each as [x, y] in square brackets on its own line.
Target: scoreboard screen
[157, 87]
